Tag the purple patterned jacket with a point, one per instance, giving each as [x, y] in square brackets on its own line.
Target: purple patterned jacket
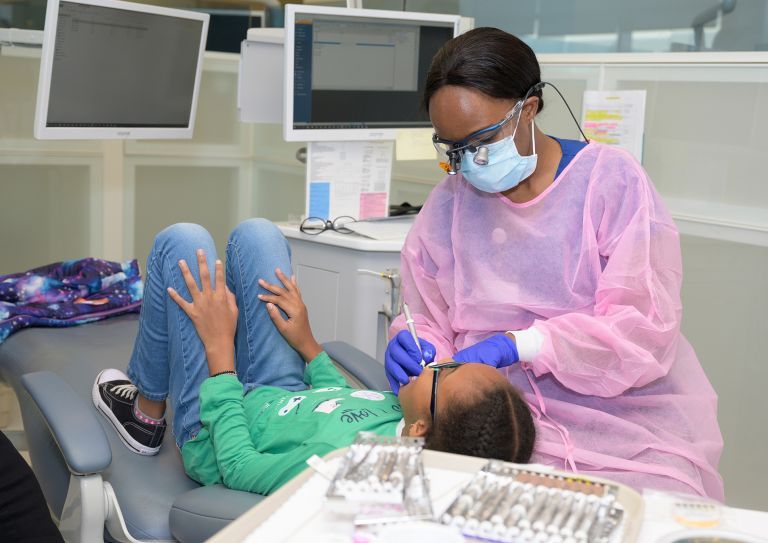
[68, 293]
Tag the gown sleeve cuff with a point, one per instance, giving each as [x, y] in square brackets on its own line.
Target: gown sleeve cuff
[528, 343]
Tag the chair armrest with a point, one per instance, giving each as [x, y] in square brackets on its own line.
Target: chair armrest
[72, 422]
[364, 368]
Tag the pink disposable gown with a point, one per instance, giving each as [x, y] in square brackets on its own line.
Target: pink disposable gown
[593, 263]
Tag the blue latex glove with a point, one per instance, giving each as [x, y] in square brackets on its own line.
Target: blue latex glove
[498, 351]
[403, 360]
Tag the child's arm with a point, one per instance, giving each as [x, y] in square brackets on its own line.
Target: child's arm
[322, 373]
[241, 466]
[295, 329]
[213, 311]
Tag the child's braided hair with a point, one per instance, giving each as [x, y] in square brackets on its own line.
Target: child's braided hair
[496, 423]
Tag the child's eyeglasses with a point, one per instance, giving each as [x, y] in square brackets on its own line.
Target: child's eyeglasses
[436, 367]
[317, 225]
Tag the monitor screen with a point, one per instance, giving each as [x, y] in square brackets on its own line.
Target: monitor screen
[229, 27]
[359, 74]
[119, 70]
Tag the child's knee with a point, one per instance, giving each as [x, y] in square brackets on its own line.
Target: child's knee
[185, 238]
[256, 232]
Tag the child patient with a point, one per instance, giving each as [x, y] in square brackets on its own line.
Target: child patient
[253, 395]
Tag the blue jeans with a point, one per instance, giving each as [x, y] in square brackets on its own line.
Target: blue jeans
[168, 357]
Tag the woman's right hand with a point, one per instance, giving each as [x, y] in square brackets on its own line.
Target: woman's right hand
[402, 359]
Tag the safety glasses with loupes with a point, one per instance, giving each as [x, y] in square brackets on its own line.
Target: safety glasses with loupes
[474, 143]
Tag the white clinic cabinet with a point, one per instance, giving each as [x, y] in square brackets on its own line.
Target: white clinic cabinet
[345, 303]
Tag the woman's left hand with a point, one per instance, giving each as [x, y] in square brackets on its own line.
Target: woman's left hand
[213, 311]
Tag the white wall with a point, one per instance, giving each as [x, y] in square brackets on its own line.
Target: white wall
[704, 151]
[725, 293]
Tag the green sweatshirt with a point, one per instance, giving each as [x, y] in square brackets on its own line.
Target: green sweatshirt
[259, 441]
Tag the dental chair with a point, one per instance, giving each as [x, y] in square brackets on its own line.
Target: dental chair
[95, 487]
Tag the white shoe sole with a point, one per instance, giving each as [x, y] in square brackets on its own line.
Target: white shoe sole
[125, 437]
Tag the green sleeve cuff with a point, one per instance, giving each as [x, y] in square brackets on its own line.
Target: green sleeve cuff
[318, 364]
[225, 385]
[322, 373]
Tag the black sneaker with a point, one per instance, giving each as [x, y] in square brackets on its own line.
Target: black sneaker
[114, 395]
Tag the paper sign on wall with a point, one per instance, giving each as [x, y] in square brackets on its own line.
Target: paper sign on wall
[415, 144]
[615, 118]
[348, 178]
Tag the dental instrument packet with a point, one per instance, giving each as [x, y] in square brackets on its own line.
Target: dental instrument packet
[506, 502]
[384, 478]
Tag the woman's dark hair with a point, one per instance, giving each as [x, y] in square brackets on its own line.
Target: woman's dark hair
[488, 60]
[494, 423]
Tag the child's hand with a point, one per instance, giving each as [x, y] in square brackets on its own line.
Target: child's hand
[295, 329]
[213, 311]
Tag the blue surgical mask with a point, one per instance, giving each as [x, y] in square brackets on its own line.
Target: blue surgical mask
[505, 167]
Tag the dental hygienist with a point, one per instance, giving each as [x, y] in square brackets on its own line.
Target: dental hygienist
[557, 262]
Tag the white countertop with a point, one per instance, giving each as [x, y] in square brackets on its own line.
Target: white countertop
[349, 241]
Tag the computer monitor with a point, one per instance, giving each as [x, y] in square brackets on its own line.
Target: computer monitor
[229, 27]
[356, 74]
[111, 69]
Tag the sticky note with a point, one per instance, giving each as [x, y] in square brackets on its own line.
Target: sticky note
[373, 204]
[414, 144]
[319, 199]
